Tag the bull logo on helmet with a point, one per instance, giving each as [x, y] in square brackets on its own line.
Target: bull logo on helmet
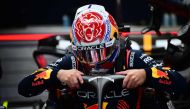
[89, 27]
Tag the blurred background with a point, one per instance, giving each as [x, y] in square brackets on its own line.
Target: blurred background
[24, 22]
[22, 13]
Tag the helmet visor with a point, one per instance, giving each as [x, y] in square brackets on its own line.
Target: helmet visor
[94, 54]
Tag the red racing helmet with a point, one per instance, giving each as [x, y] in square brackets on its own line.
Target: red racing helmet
[94, 35]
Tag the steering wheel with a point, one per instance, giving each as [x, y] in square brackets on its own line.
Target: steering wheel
[101, 83]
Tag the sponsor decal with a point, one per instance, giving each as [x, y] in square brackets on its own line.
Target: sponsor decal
[54, 64]
[115, 94]
[122, 105]
[90, 26]
[74, 35]
[97, 47]
[142, 56]
[147, 59]
[95, 106]
[131, 59]
[110, 95]
[166, 68]
[94, 47]
[108, 30]
[37, 83]
[157, 64]
[159, 74]
[73, 62]
[110, 43]
[86, 94]
[59, 60]
[43, 75]
[165, 82]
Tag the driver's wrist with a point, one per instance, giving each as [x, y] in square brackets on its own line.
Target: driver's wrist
[53, 76]
[59, 75]
[148, 74]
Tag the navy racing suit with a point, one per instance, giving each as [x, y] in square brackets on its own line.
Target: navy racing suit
[160, 78]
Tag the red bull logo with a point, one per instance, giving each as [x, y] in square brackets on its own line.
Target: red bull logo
[122, 105]
[43, 75]
[95, 106]
[37, 83]
[159, 74]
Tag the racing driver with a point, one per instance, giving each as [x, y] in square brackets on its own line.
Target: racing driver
[96, 48]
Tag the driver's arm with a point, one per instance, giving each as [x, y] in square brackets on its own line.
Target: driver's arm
[43, 78]
[159, 77]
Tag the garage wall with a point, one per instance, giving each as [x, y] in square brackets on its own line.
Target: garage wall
[16, 62]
